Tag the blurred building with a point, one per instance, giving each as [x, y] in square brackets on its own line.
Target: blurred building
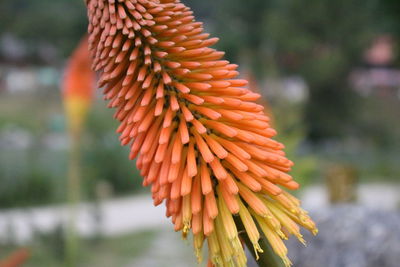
[378, 77]
[18, 79]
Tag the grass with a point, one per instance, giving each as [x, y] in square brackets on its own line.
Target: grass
[116, 251]
[35, 175]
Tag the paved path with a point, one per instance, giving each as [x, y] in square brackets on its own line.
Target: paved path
[112, 217]
[130, 214]
[375, 196]
[167, 250]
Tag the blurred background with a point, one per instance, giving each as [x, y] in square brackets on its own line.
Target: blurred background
[329, 74]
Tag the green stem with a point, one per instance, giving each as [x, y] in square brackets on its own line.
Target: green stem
[73, 194]
[266, 259]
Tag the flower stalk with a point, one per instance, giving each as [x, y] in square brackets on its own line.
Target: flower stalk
[74, 196]
[78, 89]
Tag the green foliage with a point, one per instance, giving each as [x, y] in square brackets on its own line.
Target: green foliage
[382, 127]
[116, 251]
[36, 175]
[292, 133]
[320, 40]
[323, 46]
[19, 187]
[61, 23]
[104, 149]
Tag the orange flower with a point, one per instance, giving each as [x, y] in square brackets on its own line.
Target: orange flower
[203, 145]
[78, 85]
[17, 258]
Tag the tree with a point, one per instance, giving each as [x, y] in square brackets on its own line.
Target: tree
[321, 40]
[58, 23]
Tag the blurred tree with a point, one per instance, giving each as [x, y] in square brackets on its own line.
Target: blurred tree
[58, 23]
[238, 24]
[105, 160]
[321, 40]
[391, 8]
[391, 11]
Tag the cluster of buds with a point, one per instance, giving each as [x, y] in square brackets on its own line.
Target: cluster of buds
[201, 142]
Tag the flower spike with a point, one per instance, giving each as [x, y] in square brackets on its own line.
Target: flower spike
[201, 142]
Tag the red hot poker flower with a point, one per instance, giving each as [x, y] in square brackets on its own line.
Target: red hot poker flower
[203, 144]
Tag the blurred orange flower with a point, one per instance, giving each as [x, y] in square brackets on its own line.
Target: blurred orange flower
[16, 259]
[203, 145]
[78, 85]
